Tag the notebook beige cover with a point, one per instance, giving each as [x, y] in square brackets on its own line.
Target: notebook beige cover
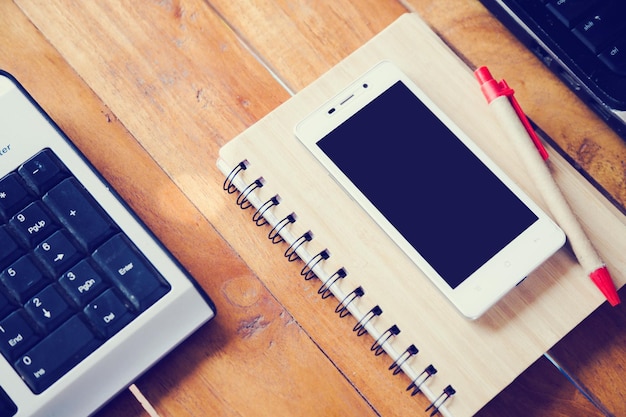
[477, 358]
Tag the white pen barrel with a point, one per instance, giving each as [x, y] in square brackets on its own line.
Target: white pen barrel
[539, 171]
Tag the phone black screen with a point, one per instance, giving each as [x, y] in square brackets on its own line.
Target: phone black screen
[443, 200]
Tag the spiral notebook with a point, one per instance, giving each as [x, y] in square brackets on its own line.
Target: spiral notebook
[458, 364]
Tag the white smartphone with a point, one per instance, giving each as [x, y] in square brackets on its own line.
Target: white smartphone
[454, 213]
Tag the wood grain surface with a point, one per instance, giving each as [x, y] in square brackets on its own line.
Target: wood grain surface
[150, 90]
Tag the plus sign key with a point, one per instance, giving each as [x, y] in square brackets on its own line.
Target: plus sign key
[77, 210]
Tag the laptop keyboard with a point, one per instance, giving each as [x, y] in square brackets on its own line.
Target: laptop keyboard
[582, 41]
[598, 25]
[69, 279]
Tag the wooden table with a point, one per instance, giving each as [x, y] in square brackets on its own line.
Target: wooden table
[149, 91]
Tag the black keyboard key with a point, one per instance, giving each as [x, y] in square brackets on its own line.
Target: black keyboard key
[16, 336]
[33, 224]
[7, 406]
[5, 305]
[130, 272]
[23, 279]
[614, 56]
[57, 253]
[570, 12]
[108, 314]
[79, 213]
[9, 249]
[42, 171]
[48, 309]
[56, 354]
[13, 195]
[82, 283]
[598, 30]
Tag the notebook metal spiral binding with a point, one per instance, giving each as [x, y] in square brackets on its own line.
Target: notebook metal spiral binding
[443, 397]
[258, 217]
[307, 271]
[291, 253]
[377, 347]
[228, 186]
[324, 290]
[274, 234]
[359, 327]
[242, 200]
[342, 309]
[396, 366]
[416, 384]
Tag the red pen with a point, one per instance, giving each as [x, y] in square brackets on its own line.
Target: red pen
[510, 115]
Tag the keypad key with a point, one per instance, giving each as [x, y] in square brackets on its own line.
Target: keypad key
[13, 195]
[42, 171]
[56, 354]
[33, 224]
[82, 283]
[9, 249]
[5, 305]
[79, 213]
[16, 335]
[599, 28]
[131, 273]
[23, 279]
[57, 253]
[48, 309]
[569, 12]
[108, 314]
[614, 56]
[7, 406]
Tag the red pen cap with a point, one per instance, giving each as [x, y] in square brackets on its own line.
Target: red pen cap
[493, 89]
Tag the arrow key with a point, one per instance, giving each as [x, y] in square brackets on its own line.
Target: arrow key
[57, 253]
[48, 309]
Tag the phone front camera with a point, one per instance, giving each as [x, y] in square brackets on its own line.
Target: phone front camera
[365, 86]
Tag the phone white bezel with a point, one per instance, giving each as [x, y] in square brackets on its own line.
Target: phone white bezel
[501, 273]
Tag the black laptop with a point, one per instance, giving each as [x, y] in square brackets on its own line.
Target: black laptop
[582, 41]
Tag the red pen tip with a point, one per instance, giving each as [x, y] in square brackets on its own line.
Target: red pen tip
[603, 281]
